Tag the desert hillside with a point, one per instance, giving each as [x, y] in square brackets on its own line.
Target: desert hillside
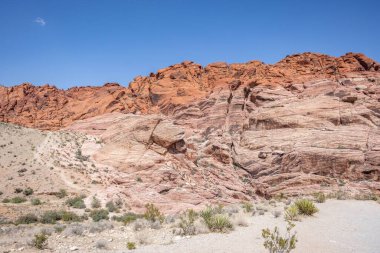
[189, 136]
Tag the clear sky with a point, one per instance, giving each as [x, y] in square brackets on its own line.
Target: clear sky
[91, 42]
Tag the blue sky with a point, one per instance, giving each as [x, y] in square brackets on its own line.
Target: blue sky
[90, 42]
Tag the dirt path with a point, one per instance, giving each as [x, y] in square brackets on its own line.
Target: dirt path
[340, 226]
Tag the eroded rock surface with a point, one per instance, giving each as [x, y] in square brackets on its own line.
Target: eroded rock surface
[189, 135]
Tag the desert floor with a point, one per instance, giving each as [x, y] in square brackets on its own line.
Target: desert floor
[340, 226]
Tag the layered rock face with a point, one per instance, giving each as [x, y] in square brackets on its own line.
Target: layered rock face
[224, 133]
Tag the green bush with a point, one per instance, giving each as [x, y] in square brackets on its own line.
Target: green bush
[247, 206]
[6, 200]
[126, 218]
[17, 200]
[27, 219]
[70, 216]
[61, 194]
[131, 245]
[99, 214]
[95, 203]
[111, 206]
[320, 197]
[291, 213]
[306, 207]
[187, 222]
[219, 223]
[152, 213]
[28, 191]
[276, 243]
[40, 241]
[36, 202]
[76, 202]
[50, 217]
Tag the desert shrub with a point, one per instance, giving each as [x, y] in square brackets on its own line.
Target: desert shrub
[291, 213]
[1, 193]
[131, 245]
[101, 244]
[17, 200]
[320, 197]
[61, 193]
[76, 202]
[28, 191]
[187, 222]
[219, 223]
[152, 213]
[36, 202]
[6, 200]
[59, 228]
[18, 190]
[111, 206]
[306, 207]
[50, 217]
[27, 219]
[97, 227]
[126, 218]
[95, 203]
[100, 214]
[40, 241]
[77, 229]
[276, 243]
[247, 206]
[70, 216]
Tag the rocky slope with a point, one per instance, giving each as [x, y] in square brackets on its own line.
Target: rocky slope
[189, 135]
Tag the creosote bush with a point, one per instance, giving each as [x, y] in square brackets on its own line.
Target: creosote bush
[28, 191]
[76, 202]
[126, 218]
[61, 194]
[36, 202]
[40, 241]
[95, 203]
[152, 213]
[99, 214]
[27, 219]
[111, 206]
[306, 207]
[276, 243]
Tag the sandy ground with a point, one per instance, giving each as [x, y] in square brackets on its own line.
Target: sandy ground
[341, 226]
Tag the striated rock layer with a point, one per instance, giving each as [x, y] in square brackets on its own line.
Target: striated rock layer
[225, 133]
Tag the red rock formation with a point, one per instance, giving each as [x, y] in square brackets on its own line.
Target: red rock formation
[47, 107]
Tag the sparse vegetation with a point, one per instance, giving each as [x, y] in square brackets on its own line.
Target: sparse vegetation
[76, 202]
[61, 193]
[99, 214]
[40, 241]
[247, 207]
[126, 218]
[306, 207]
[28, 191]
[320, 197]
[111, 206]
[187, 222]
[276, 243]
[15, 200]
[152, 213]
[131, 245]
[215, 220]
[291, 213]
[95, 203]
[36, 202]
[27, 219]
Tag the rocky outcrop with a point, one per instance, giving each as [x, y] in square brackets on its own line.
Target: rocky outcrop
[47, 107]
[226, 133]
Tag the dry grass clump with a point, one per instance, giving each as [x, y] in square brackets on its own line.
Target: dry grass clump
[306, 207]
[40, 241]
[187, 220]
[27, 219]
[247, 207]
[292, 213]
[152, 213]
[320, 197]
[215, 220]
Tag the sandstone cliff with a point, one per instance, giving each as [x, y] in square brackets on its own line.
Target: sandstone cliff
[224, 133]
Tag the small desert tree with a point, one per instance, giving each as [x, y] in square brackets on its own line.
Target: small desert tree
[276, 243]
